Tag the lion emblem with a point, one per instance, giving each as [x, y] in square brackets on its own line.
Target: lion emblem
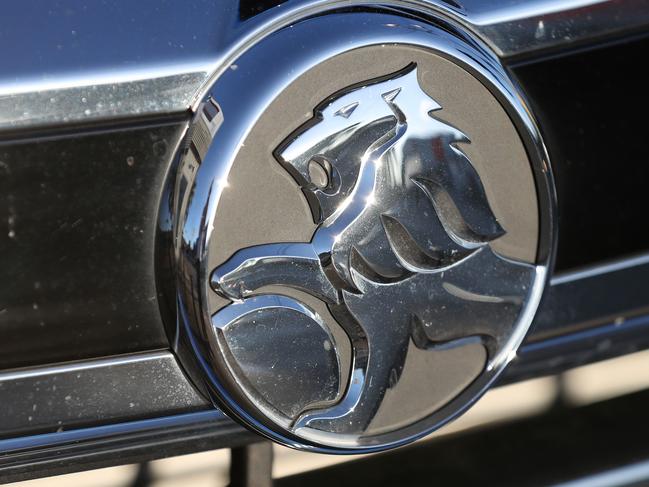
[400, 254]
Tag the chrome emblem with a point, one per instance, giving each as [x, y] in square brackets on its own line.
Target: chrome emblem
[403, 227]
[394, 299]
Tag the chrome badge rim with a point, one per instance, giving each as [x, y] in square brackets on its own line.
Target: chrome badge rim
[287, 330]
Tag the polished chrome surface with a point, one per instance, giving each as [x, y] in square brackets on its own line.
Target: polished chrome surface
[587, 315]
[282, 350]
[611, 292]
[581, 275]
[80, 61]
[135, 441]
[400, 254]
[103, 97]
[159, 60]
[66, 396]
[62, 438]
[526, 27]
[400, 221]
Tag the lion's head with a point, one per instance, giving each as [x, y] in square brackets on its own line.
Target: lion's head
[425, 208]
[324, 154]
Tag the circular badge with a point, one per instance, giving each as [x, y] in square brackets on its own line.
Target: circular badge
[362, 224]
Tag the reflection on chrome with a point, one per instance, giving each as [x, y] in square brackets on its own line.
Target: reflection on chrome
[400, 255]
